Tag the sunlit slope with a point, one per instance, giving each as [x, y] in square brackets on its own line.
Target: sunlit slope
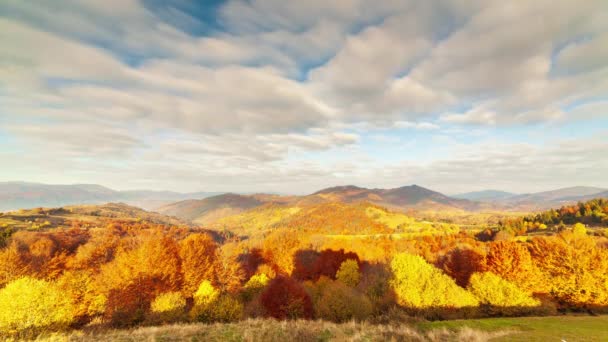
[83, 215]
[332, 218]
[210, 209]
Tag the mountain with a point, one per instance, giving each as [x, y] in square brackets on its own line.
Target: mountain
[485, 195]
[20, 195]
[412, 196]
[210, 209]
[548, 199]
[535, 201]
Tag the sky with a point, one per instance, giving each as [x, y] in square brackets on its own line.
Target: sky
[294, 96]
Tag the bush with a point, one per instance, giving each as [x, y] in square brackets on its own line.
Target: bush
[254, 286]
[339, 302]
[168, 307]
[205, 294]
[349, 273]
[418, 285]
[32, 305]
[211, 306]
[285, 298]
[501, 296]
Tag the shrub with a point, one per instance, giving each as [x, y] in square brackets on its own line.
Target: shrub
[226, 308]
[349, 273]
[339, 302]
[285, 298]
[579, 229]
[418, 285]
[205, 294]
[500, 295]
[211, 306]
[168, 307]
[30, 305]
[254, 286]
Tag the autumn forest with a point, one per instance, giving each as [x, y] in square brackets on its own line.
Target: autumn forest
[119, 266]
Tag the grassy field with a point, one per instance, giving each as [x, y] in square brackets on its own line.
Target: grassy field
[557, 328]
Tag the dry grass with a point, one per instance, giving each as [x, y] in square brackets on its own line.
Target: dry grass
[271, 330]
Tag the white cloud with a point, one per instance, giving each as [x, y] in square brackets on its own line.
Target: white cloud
[287, 91]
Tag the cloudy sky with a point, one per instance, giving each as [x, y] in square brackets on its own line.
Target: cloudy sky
[294, 96]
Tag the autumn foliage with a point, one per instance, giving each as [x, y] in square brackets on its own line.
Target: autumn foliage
[125, 274]
[285, 298]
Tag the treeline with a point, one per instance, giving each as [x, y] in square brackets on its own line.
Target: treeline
[129, 274]
[592, 213]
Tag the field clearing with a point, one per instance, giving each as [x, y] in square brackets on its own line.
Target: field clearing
[555, 328]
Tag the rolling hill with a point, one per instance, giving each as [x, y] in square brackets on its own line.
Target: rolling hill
[212, 209]
[88, 214]
[20, 195]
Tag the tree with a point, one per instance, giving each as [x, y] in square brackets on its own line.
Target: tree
[419, 285]
[29, 304]
[460, 263]
[349, 273]
[198, 258]
[501, 295]
[512, 261]
[168, 307]
[339, 303]
[285, 298]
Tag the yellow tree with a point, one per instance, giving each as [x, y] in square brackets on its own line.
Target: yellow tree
[29, 304]
[198, 259]
[419, 285]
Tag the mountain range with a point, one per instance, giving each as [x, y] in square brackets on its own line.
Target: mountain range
[208, 207]
[22, 195]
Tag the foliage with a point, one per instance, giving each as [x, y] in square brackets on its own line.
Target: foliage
[349, 273]
[310, 265]
[577, 269]
[461, 262]
[205, 294]
[285, 298]
[501, 295]
[338, 302]
[419, 285]
[254, 286]
[512, 261]
[168, 307]
[35, 305]
[198, 258]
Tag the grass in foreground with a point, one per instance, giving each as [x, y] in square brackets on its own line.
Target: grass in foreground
[271, 330]
[556, 328]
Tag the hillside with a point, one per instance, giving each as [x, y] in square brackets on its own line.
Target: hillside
[403, 197]
[20, 195]
[329, 218]
[210, 209]
[85, 215]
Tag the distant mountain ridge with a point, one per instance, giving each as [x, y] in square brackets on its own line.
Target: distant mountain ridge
[485, 195]
[538, 200]
[211, 209]
[24, 195]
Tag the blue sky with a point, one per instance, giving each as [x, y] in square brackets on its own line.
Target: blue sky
[294, 96]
